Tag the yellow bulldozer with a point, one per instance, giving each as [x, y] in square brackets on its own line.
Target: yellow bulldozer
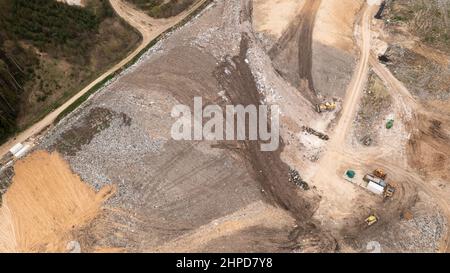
[326, 107]
[380, 174]
[371, 220]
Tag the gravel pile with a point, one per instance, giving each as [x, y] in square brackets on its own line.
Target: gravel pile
[423, 233]
[294, 177]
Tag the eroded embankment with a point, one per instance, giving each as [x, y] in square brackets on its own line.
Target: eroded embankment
[267, 167]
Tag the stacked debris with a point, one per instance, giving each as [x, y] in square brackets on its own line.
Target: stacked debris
[367, 140]
[384, 59]
[6, 175]
[379, 14]
[295, 178]
[316, 133]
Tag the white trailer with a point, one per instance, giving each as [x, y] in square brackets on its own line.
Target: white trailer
[375, 188]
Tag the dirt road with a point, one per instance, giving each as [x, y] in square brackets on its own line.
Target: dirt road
[357, 84]
[338, 196]
[297, 41]
[386, 75]
[148, 27]
[336, 147]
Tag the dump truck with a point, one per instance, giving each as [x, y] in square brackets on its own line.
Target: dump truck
[371, 220]
[380, 174]
[326, 107]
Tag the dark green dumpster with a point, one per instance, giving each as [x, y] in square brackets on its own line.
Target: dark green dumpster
[350, 173]
[390, 124]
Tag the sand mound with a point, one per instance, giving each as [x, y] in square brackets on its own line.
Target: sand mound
[334, 23]
[274, 16]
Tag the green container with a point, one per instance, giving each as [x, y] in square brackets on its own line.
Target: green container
[390, 124]
[350, 174]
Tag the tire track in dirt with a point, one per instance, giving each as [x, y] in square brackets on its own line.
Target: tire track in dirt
[267, 167]
[298, 40]
[167, 166]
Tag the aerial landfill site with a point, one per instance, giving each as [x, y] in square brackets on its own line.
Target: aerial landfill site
[358, 93]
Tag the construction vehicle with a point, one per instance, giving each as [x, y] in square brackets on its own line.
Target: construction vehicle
[371, 220]
[389, 191]
[326, 107]
[380, 174]
[371, 178]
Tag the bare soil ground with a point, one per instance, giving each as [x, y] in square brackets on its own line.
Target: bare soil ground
[335, 23]
[373, 111]
[424, 77]
[198, 196]
[292, 53]
[45, 203]
[334, 48]
[170, 191]
[416, 149]
[273, 17]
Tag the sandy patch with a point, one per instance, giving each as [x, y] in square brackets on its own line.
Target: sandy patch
[334, 23]
[274, 16]
[45, 202]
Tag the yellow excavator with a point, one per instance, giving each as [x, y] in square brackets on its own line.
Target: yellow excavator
[326, 107]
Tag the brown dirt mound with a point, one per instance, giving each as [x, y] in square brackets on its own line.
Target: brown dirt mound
[428, 149]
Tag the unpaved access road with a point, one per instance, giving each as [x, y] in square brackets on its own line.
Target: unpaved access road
[335, 148]
[357, 84]
[337, 202]
[148, 27]
[386, 75]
